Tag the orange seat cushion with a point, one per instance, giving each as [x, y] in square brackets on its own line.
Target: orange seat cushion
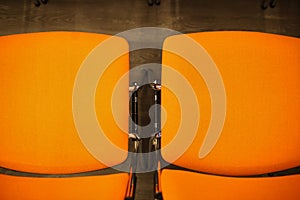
[79, 188]
[38, 73]
[177, 185]
[261, 77]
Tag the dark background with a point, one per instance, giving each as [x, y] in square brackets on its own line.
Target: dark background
[114, 16]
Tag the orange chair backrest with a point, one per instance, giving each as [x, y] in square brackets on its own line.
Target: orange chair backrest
[261, 77]
[38, 73]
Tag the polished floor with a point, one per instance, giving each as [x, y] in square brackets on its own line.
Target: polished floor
[115, 16]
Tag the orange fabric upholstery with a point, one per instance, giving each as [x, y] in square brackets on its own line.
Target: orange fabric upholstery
[79, 188]
[37, 73]
[261, 75]
[178, 185]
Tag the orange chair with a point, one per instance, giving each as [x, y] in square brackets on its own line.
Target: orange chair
[38, 131]
[260, 73]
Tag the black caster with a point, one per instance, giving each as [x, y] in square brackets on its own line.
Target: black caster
[37, 3]
[273, 3]
[268, 3]
[150, 2]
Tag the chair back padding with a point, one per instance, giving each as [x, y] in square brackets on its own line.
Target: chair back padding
[38, 73]
[203, 186]
[81, 188]
[261, 77]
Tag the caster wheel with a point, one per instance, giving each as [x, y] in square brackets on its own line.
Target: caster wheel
[150, 2]
[273, 3]
[264, 5]
[37, 3]
[44, 1]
